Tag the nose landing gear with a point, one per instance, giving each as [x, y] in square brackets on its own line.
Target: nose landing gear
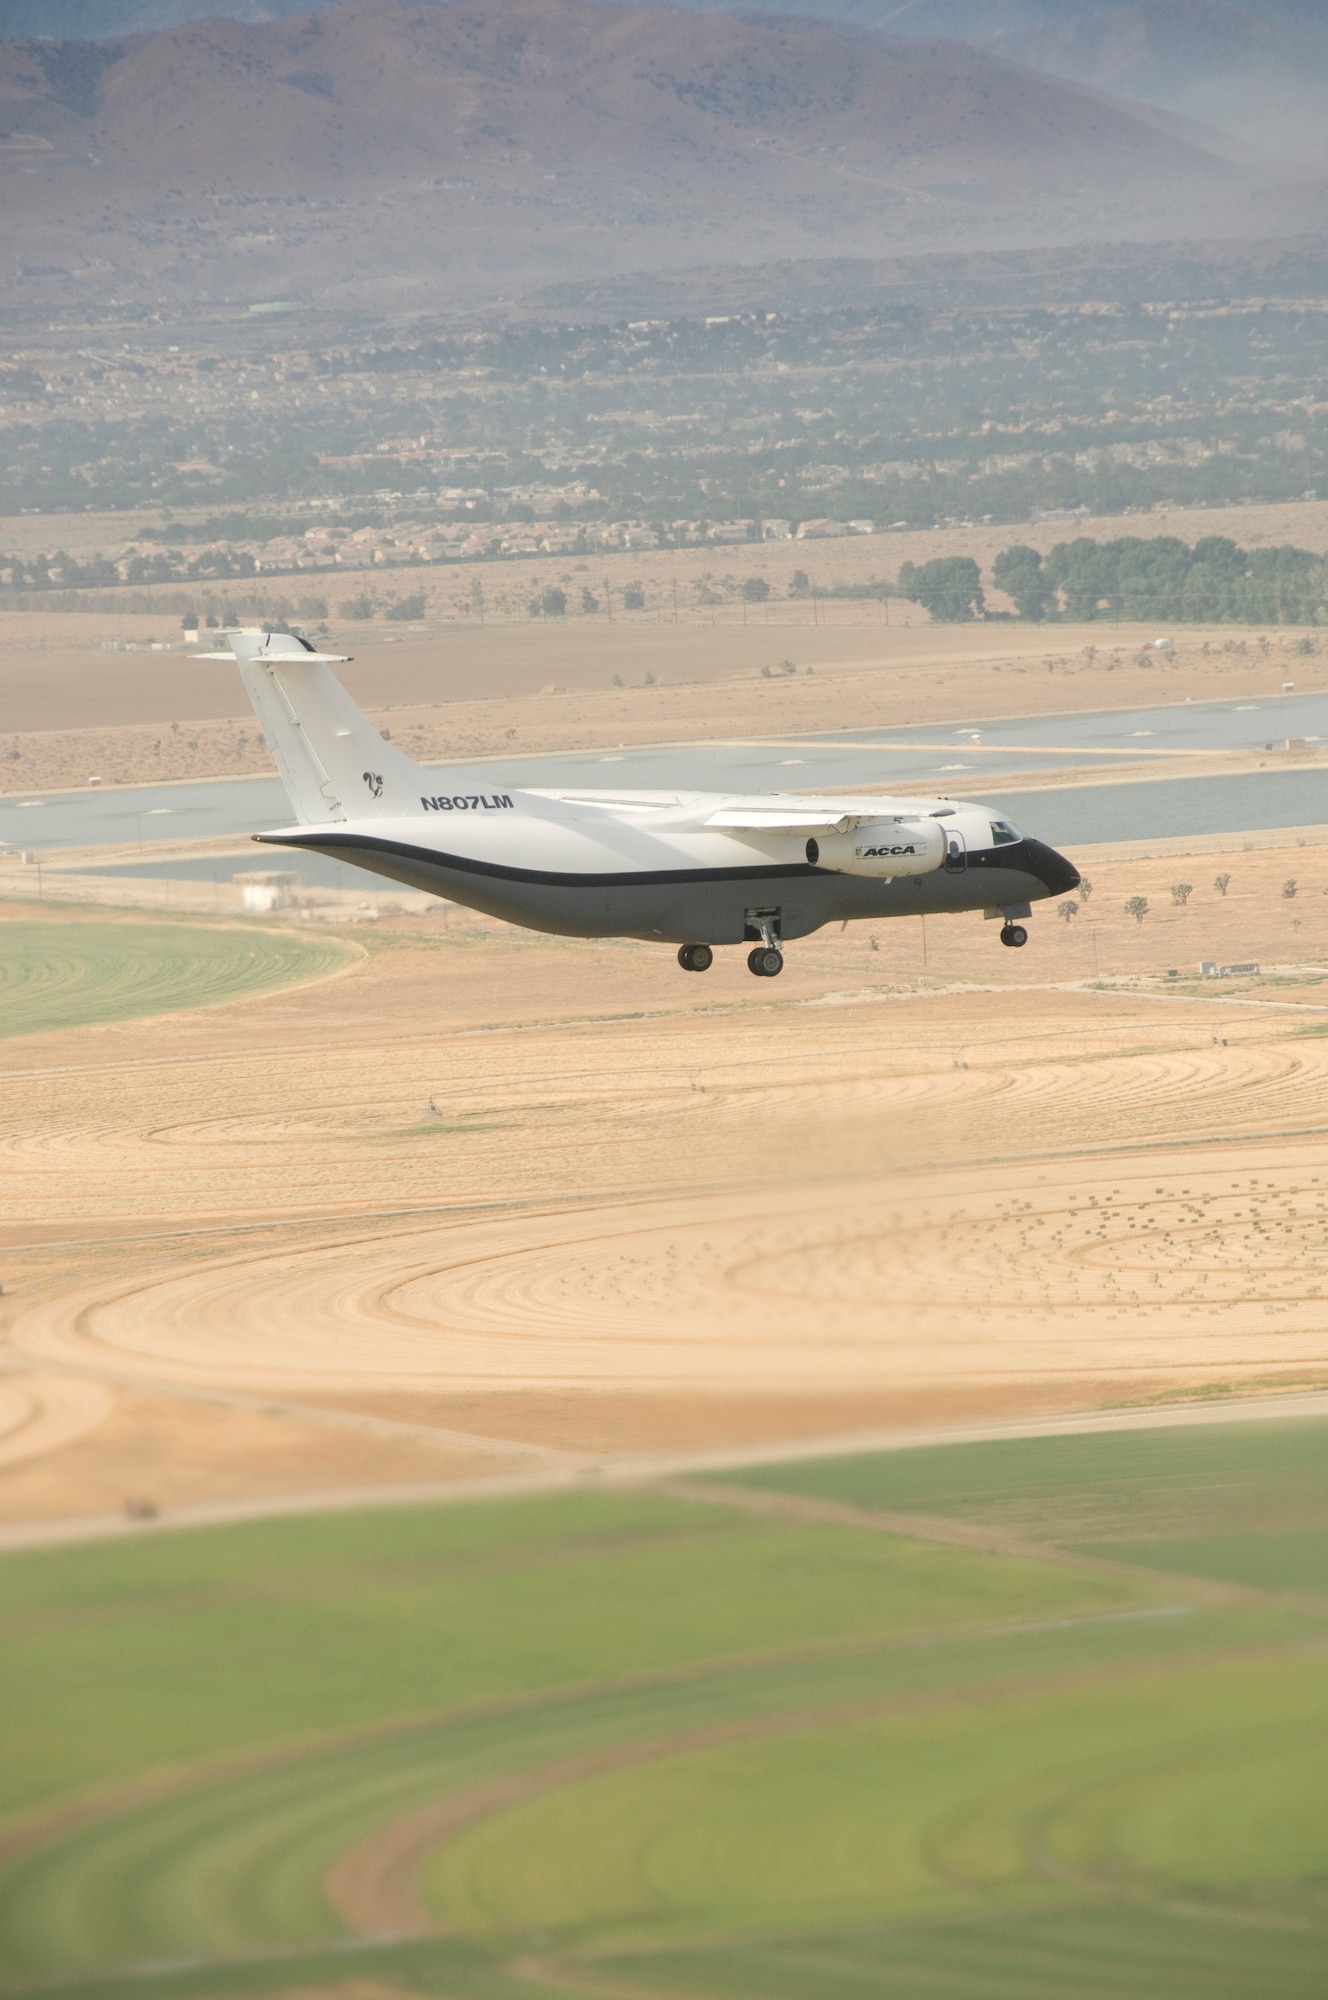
[1014, 935]
[696, 957]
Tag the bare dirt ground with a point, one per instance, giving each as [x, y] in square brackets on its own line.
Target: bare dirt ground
[468, 682]
[489, 1197]
[76, 712]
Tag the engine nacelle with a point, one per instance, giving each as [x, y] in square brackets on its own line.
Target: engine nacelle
[881, 847]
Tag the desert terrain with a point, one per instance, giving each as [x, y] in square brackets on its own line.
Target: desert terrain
[462, 1203]
[78, 704]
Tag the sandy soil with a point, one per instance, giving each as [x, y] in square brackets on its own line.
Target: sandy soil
[74, 706]
[559, 1196]
[77, 712]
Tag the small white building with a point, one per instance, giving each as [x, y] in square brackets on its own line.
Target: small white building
[268, 890]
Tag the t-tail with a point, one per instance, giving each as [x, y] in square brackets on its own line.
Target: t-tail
[333, 762]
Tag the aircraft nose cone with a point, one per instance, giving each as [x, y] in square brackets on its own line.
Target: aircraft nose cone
[1057, 875]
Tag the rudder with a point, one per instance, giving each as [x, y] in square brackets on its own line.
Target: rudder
[334, 764]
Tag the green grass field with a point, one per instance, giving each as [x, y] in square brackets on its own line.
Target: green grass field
[76, 974]
[744, 1756]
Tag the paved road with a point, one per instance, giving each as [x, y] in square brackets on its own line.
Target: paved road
[953, 757]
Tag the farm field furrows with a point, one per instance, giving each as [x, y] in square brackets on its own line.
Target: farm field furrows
[486, 1201]
[641, 1741]
[56, 975]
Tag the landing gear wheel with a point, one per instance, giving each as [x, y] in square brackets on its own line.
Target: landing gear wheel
[696, 957]
[765, 962]
[1014, 935]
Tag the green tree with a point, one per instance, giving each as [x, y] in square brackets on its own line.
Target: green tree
[1137, 907]
[1018, 572]
[756, 590]
[950, 587]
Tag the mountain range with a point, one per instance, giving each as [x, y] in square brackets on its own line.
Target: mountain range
[1256, 71]
[414, 150]
[964, 20]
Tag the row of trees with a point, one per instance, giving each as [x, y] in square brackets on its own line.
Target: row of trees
[1148, 579]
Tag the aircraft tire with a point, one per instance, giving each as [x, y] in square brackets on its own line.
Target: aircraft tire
[765, 962]
[696, 957]
[1014, 935]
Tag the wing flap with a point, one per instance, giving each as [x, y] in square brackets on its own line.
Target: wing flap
[748, 819]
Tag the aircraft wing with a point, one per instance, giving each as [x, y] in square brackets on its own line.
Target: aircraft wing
[764, 814]
[779, 819]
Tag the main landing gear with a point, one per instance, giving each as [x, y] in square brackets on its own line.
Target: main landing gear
[1014, 935]
[765, 961]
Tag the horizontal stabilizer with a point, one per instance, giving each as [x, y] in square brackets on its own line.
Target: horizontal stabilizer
[309, 659]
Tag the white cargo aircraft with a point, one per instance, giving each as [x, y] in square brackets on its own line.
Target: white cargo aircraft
[695, 869]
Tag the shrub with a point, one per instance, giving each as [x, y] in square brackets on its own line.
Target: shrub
[406, 608]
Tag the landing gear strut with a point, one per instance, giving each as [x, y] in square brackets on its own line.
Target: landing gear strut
[1014, 935]
[767, 961]
[696, 957]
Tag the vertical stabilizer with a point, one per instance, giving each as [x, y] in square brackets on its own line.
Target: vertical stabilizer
[333, 762]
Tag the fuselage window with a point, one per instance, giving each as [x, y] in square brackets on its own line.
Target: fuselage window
[1003, 834]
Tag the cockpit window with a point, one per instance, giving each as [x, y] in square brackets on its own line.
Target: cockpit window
[1003, 834]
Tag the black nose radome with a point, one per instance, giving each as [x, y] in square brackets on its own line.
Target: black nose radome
[1057, 875]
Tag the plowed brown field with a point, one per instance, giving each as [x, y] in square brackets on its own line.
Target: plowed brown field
[487, 1202]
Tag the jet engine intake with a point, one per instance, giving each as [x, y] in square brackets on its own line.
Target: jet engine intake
[881, 847]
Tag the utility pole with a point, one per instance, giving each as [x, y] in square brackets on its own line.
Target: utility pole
[608, 600]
